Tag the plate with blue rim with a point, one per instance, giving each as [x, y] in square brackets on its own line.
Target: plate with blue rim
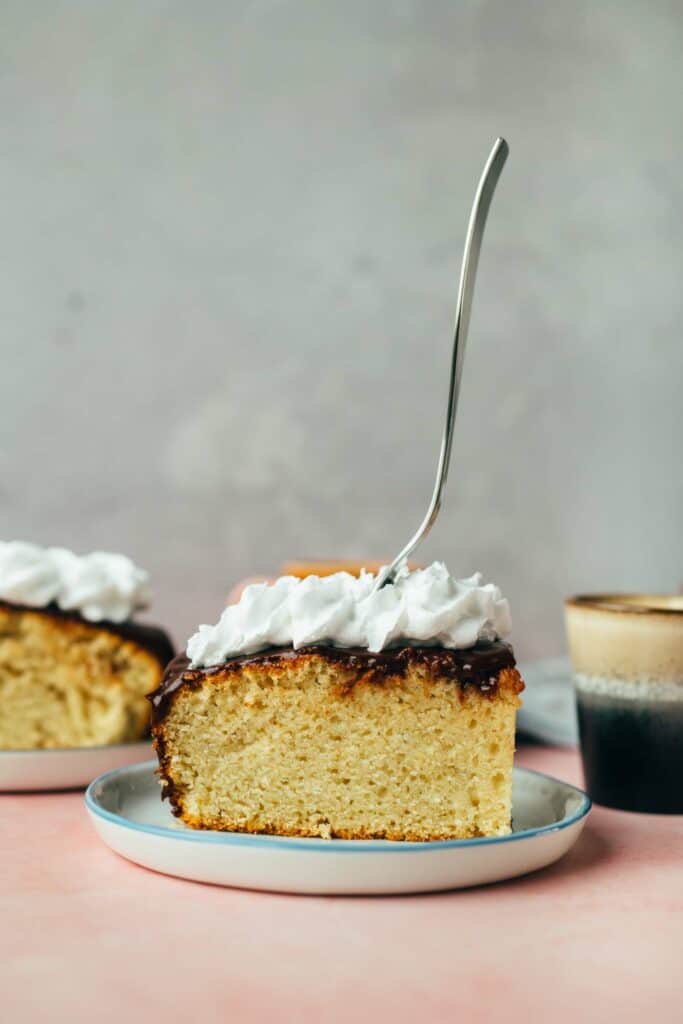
[128, 814]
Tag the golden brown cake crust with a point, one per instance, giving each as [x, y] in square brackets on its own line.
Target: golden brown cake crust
[478, 666]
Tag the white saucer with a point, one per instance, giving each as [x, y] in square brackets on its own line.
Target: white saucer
[126, 809]
[66, 768]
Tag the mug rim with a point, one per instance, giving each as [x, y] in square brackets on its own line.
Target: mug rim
[629, 603]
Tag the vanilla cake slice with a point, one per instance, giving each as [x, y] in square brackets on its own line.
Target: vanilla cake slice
[359, 715]
[75, 666]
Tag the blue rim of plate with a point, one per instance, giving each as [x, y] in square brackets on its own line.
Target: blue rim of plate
[326, 845]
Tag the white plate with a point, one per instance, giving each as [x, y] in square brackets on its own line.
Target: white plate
[65, 768]
[127, 812]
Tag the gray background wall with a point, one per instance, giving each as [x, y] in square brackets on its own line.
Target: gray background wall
[231, 236]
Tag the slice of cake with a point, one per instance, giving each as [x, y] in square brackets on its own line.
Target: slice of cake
[75, 668]
[320, 707]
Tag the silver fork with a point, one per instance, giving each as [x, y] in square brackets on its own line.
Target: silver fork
[468, 273]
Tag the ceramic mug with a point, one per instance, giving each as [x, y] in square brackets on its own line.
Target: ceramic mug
[627, 657]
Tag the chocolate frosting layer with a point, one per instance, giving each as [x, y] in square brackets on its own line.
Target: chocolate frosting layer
[474, 666]
[151, 638]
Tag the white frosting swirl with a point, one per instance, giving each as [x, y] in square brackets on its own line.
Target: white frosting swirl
[427, 606]
[98, 586]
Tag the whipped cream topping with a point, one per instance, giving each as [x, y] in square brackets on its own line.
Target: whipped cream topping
[97, 586]
[426, 606]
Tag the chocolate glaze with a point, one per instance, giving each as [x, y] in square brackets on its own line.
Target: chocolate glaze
[151, 638]
[475, 666]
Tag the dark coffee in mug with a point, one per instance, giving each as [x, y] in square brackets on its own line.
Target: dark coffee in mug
[627, 656]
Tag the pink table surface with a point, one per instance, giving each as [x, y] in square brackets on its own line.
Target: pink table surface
[84, 935]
